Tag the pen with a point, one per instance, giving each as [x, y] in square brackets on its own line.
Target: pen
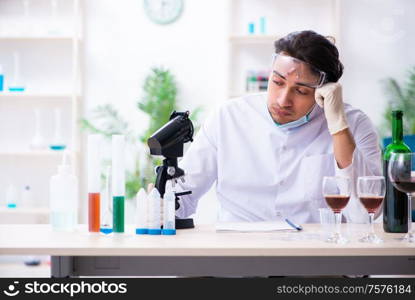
[293, 225]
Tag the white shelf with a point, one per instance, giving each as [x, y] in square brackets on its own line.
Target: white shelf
[24, 215]
[40, 38]
[22, 95]
[256, 39]
[37, 153]
[253, 39]
[25, 210]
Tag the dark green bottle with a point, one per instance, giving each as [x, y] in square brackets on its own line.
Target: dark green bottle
[395, 205]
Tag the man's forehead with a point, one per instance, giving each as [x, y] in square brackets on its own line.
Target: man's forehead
[291, 68]
[275, 72]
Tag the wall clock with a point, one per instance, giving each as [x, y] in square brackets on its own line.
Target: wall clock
[163, 11]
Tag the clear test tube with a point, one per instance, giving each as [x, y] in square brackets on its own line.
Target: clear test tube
[118, 183]
[106, 212]
[154, 219]
[169, 223]
[58, 142]
[141, 212]
[16, 84]
[94, 186]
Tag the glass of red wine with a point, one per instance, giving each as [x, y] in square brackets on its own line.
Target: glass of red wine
[371, 192]
[402, 175]
[336, 191]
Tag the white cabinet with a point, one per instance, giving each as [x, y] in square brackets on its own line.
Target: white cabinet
[46, 37]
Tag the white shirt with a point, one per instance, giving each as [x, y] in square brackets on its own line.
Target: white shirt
[263, 172]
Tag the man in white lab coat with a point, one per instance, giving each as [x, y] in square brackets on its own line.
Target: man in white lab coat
[267, 153]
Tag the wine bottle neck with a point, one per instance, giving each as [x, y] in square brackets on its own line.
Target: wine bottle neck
[397, 130]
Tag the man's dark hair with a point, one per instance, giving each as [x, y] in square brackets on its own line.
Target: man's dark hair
[314, 49]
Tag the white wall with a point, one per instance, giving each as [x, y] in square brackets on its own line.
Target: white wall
[377, 41]
[121, 45]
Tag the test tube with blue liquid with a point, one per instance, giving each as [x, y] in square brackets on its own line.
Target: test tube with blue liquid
[11, 196]
[169, 209]
[58, 142]
[1, 79]
[16, 83]
[262, 25]
[141, 212]
[106, 207]
[251, 28]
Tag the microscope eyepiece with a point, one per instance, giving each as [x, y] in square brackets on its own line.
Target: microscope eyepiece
[168, 140]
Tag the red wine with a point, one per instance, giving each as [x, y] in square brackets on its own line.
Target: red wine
[407, 186]
[371, 203]
[395, 206]
[337, 202]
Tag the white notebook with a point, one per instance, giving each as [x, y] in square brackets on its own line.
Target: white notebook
[253, 226]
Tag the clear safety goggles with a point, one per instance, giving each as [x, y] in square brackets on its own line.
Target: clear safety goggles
[302, 73]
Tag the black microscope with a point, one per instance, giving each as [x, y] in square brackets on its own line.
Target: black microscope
[168, 141]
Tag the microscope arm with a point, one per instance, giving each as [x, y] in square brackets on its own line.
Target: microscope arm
[162, 177]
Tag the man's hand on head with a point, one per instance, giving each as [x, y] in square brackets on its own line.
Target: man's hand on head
[330, 98]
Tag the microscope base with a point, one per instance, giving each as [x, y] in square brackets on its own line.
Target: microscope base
[184, 223]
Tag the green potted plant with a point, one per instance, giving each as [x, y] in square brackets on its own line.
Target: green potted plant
[158, 102]
[401, 97]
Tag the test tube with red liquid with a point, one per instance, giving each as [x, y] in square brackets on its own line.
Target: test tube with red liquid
[94, 186]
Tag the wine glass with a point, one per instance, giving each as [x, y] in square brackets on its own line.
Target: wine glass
[371, 191]
[336, 191]
[401, 172]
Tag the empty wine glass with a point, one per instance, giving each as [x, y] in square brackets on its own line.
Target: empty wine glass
[371, 191]
[336, 191]
[401, 173]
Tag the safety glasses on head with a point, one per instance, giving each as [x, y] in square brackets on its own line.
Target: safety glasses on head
[302, 73]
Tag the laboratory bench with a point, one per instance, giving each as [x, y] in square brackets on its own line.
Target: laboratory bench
[203, 251]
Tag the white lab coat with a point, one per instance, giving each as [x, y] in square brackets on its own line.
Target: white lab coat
[263, 172]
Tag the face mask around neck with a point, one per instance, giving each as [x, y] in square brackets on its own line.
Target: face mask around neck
[297, 123]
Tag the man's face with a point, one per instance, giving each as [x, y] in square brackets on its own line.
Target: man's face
[288, 99]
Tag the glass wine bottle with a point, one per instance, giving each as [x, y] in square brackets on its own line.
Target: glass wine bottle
[395, 205]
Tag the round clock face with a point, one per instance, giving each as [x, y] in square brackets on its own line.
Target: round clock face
[163, 11]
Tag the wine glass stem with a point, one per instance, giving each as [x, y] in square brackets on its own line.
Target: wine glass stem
[409, 212]
[372, 230]
[338, 222]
